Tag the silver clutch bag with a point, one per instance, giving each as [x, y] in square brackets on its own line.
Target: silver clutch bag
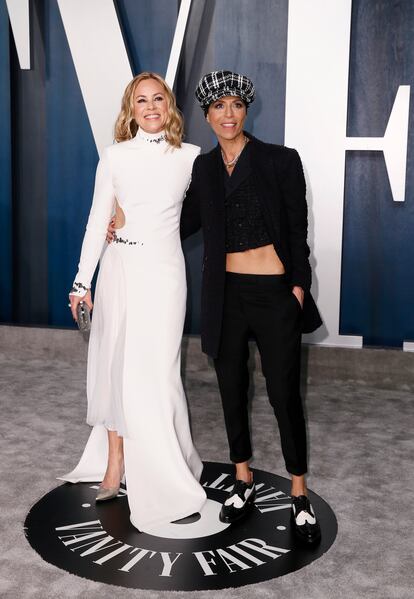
[83, 313]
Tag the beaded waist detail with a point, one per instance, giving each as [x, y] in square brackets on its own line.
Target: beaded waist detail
[117, 239]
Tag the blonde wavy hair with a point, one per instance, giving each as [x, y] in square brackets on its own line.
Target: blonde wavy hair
[126, 126]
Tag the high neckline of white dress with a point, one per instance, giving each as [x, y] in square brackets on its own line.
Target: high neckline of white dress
[152, 138]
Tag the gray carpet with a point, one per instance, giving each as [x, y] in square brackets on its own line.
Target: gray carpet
[361, 463]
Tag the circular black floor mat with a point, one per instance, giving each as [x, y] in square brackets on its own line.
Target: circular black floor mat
[97, 541]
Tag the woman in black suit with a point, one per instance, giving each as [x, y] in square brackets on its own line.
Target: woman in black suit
[249, 199]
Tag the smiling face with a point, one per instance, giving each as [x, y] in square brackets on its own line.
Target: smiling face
[150, 106]
[226, 117]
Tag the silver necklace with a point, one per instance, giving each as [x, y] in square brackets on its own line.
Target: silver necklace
[155, 140]
[151, 138]
[234, 161]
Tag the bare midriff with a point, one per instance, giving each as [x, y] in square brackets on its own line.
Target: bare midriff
[259, 261]
[119, 216]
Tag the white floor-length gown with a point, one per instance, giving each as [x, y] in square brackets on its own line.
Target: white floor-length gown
[133, 384]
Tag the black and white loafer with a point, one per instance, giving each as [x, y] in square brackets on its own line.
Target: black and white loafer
[238, 502]
[304, 520]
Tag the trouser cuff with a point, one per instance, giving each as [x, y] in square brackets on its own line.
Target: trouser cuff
[239, 460]
[297, 471]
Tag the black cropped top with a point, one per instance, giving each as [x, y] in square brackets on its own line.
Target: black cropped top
[245, 225]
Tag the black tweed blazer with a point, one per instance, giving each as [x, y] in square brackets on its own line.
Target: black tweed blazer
[281, 186]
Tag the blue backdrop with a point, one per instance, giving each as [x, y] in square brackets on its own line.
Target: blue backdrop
[6, 280]
[378, 251]
[48, 156]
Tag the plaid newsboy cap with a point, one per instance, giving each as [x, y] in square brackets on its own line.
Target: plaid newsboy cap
[218, 84]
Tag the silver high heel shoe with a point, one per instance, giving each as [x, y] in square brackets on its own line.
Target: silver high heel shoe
[105, 493]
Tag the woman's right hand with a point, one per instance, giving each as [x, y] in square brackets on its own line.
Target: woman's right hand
[75, 301]
[111, 230]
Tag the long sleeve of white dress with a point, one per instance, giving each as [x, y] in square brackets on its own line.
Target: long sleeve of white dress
[99, 216]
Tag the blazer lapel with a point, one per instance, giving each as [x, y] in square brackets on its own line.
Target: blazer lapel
[240, 173]
[216, 182]
[266, 185]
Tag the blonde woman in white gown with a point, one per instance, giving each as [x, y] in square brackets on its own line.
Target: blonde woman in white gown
[136, 402]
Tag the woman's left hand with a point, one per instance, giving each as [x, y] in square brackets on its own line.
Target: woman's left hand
[299, 294]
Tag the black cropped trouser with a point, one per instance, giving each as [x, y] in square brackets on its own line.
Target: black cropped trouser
[262, 306]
